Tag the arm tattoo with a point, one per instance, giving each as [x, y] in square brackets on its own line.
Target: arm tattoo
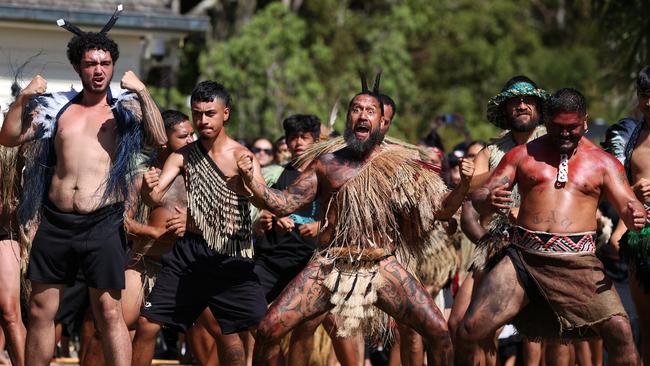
[283, 203]
[153, 121]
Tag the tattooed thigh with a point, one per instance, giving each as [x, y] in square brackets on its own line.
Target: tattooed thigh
[405, 299]
[304, 298]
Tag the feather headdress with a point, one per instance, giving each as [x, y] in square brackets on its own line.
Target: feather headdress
[80, 33]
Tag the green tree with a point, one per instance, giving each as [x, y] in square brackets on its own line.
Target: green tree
[267, 68]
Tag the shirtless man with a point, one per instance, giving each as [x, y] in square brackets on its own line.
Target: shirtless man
[550, 282]
[211, 265]
[328, 179]
[629, 141]
[81, 225]
[518, 110]
[151, 238]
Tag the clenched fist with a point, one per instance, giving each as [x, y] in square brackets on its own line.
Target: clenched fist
[639, 215]
[38, 85]
[466, 170]
[131, 82]
[246, 167]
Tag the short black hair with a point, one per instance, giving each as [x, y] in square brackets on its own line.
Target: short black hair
[643, 80]
[280, 141]
[78, 45]
[300, 123]
[207, 91]
[518, 79]
[386, 100]
[173, 117]
[566, 100]
[432, 139]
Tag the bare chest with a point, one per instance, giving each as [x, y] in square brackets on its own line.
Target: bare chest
[176, 196]
[87, 129]
[336, 174]
[540, 177]
[639, 161]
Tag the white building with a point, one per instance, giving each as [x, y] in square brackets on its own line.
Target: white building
[149, 34]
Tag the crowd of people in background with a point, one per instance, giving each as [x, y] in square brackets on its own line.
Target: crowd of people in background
[155, 234]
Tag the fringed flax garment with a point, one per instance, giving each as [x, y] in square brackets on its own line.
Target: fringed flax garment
[222, 215]
[387, 208]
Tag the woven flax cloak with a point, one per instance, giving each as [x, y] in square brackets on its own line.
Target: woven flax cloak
[393, 196]
[222, 215]
[389, 205]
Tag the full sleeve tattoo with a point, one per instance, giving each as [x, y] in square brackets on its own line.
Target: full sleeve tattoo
[282, 203]
[153, 121]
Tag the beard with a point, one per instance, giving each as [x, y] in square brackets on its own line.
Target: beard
[358, 147]
[522, 124]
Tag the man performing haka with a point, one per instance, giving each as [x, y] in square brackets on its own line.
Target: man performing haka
[550, 281]
[81, 147]
[518, 109]
[212, 264]
[377, 200]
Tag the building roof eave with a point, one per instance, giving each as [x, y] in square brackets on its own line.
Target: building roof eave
[166, 22]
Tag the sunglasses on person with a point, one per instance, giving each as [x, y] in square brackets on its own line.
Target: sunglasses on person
[256, 150]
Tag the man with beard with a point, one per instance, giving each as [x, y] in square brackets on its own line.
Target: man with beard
[212, 264]
[629, 141]
[82, 146]
[550, 282]
[377, 200]
[518, 109]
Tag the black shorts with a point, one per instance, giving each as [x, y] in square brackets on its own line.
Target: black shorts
[194, 277]
[73, 306]
[6, 234]
[94, 242]
[272, 282]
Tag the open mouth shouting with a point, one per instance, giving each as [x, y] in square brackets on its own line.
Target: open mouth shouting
[362, 130]
[98, 81]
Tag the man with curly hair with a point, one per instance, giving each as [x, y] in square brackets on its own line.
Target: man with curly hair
[81, 146]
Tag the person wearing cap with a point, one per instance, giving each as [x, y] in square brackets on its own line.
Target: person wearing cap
[517, 110]
[79, 164]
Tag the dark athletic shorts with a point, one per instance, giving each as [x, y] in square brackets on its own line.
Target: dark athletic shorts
[6, 234]
[272, 282]
[194, 277]
[73, 306]
[94, 242]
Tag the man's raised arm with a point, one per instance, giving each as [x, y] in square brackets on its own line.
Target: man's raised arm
[152, 119]
[495, 194]
[282, 203]
[620, 195]
[14, 130]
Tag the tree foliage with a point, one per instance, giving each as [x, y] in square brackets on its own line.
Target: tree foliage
[285, 57]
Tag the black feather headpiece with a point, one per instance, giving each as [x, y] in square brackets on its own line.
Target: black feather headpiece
[375, 88]
[364, 84]
[77, 31]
